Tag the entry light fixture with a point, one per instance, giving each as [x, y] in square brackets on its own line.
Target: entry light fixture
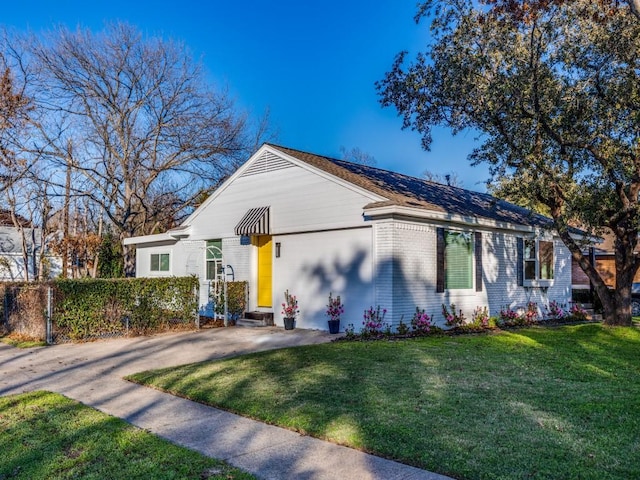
[277, 249]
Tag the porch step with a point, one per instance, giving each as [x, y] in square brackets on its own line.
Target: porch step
[256, 319]
[248, 322]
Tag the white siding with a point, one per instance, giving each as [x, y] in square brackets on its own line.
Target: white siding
[500, 275]
[13, 267]
[312, 265]
[300, 201]
[143, 259]
[385, 259]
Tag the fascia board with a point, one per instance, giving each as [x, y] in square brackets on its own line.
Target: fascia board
[160, 237]
[444, 218]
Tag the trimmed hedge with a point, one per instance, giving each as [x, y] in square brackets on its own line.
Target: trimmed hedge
[92, 308]
[96, 307]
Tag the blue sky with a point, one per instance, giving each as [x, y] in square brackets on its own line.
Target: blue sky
[312, 64]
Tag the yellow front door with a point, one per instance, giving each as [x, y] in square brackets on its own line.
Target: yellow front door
[265, 267]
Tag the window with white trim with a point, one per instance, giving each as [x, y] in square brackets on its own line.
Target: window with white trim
[458, 260]
[214, 259]
[159, 262]
[538, 260]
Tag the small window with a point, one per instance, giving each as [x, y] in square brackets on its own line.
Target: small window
[214, 259]
[458, 260]
[538, 260]
[545, 270]
[159, 262]
[530, 259]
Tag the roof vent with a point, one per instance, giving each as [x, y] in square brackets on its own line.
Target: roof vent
[267, 162]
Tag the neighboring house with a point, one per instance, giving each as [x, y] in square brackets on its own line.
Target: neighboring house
[288, 219]
[12, 260]
[604, 257]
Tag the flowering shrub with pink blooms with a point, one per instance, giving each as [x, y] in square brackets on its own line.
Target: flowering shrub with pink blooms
[373, 320]
[481, 317]
[453, 319]
[374, 326]
[577, 312]
[508, 316]
[335, 308]
[421, 322]
[530, 315]
[290, 306]
[507, 313]
[555, 311]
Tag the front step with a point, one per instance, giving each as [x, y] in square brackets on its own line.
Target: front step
[248, 322]
[256, 319]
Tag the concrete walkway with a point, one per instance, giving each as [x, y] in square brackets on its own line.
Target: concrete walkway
[92, 374]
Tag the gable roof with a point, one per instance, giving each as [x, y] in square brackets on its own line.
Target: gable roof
[407, 191]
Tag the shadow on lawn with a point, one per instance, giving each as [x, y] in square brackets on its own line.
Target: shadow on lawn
[67, 439]
[534, 403]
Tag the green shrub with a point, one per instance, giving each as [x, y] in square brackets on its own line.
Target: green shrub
[237, 301]
[94, 307]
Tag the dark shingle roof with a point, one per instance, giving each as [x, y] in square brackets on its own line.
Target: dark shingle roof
[404, 190]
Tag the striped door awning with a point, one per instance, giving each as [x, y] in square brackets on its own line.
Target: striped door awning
[255, 222]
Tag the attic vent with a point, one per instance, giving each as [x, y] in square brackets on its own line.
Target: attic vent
[267, 162]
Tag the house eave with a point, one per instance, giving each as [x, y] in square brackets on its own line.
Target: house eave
[183, 231]
[405, 212]
[160, 237]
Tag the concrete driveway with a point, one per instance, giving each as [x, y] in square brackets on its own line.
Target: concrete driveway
[92, 374]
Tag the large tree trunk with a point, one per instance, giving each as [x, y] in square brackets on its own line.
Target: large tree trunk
[129, 257]
[608, 301]
[635, 7]
[616, 304]
[626, 267]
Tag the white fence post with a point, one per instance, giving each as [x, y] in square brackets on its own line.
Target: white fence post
[196, 294]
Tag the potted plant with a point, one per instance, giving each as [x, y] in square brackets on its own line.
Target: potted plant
[289, 310]
[335, 308]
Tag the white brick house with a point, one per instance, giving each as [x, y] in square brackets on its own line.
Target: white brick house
[310, 224]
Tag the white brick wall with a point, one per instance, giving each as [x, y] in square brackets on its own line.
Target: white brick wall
[383, 247]
[406, 274]
[239, 257]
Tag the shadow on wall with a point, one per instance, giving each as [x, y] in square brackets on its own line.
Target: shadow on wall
[399, 286]
[500, 277]
[351, 279]
[356, 283]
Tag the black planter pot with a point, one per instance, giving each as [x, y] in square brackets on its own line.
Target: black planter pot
[289, 323]
[334, 326]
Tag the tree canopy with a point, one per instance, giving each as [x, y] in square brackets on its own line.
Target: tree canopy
[130, 121]
[553, 88]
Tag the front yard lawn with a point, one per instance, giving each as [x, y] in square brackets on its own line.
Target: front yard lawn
[532, 403]
[47, 436]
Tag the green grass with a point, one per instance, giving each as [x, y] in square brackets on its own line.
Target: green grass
[47, 436]
[531, 403]
[20, 342]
